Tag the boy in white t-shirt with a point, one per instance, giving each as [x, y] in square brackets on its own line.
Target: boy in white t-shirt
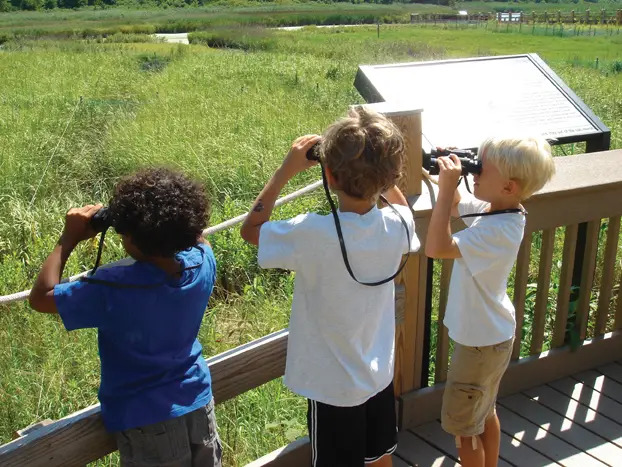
[480, 315]
[341, 334]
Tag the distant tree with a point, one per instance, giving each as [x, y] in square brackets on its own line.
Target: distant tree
[30, 4]
[5, 5]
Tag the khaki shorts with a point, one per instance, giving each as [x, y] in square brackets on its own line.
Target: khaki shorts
[472, 386]
[185, 441]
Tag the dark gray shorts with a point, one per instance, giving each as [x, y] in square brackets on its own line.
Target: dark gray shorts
[190, 440]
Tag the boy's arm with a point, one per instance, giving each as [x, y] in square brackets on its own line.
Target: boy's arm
[454, 206]
[295, 162]
[395, 196]
[439, 241]
[77, 228]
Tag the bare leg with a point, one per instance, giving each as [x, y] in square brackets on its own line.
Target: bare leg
[470, 457]
[384, 461]
[491, 439]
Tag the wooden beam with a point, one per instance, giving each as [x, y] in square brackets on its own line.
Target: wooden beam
[81, 438]
[565, 283]
[520, 291]
[248, 366]
[442, 341]
[406, 330]
[606, 282]
[424, 405]
[542, 292]
[296, 454]
[587, 277]
[74, 440]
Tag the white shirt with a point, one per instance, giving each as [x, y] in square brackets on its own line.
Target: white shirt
[479, 311]
[341, 333]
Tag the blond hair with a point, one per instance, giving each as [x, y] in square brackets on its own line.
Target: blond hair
[364, 152]
[528, 160]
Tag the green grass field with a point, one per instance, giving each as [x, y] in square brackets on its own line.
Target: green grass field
[75, 116]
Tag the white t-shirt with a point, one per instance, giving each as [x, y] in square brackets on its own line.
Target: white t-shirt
[341, 333]
[479, 311]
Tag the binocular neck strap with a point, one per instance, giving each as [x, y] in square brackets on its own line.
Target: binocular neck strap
[99, 251]
[342, 244]
[492, 213]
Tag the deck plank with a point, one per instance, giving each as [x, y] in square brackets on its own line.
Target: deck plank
[540, 439]
[433, 434]
[580, 414]
[601, 383]
[559, 425]
[589, 397]
[518, 453]
[612, 370]
[397, 462]
[416, 451]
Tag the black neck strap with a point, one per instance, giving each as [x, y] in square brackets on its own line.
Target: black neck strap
[342, 244]
[500, 211]
[121, 285]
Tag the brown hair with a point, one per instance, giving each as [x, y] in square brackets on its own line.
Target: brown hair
[364, 152]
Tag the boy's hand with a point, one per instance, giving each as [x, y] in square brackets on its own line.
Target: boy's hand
[450, 170]
[296, 160]
[78, 224]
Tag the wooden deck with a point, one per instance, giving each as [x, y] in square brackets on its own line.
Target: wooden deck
[574, 421]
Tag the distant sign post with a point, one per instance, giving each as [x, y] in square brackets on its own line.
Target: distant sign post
[464, 101]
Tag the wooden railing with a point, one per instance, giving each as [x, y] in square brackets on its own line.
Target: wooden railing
[584, 195]
[585, 190]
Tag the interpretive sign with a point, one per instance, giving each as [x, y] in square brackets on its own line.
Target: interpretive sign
[466, 100]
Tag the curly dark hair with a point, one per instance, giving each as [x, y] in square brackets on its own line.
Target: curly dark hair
[162, 211]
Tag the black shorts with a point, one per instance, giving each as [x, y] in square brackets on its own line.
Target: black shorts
[352, 436]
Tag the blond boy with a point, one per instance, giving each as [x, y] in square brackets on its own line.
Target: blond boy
[480, 316]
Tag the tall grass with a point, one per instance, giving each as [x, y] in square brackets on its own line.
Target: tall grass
[96, 112]
[90, 23]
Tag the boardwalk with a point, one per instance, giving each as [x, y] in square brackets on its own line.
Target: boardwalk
[575, 421]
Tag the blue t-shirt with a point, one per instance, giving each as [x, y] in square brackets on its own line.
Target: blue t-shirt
[151, 363]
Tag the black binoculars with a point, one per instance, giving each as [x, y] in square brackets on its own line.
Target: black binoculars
[471, 164]
[102, 220]
[312, 154]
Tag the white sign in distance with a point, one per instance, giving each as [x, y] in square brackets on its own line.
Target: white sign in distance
[465, 101]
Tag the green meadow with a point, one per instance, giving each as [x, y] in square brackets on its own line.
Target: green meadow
[77, 115]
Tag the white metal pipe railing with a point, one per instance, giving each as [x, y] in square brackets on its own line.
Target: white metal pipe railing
[20, 296]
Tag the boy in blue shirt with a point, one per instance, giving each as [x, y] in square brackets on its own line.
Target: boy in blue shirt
[155, 389]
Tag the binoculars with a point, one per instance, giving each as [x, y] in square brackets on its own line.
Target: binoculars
[471, 164]
[312, 154]
[102, 220]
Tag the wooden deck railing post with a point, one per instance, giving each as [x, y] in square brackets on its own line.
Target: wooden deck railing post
[409, 333]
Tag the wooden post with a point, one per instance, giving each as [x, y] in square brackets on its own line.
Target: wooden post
[559, 16]
[603, 16]
[409, 333]
[587, 15]
[412, 281]
[546, 17]
[619, 17]
[572, 20]
[533, 17]
[409, 124]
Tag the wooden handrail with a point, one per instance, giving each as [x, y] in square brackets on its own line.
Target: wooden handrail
[81, 437]
[591, 184]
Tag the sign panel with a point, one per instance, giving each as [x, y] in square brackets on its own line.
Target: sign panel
[464, 101]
